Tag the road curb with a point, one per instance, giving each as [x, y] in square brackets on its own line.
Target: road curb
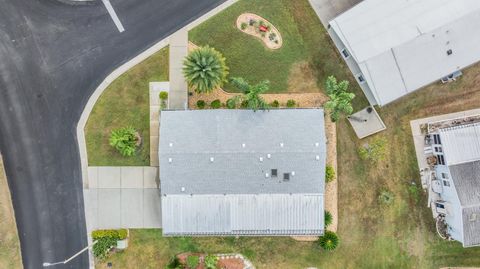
[106, 82]
[78, 2]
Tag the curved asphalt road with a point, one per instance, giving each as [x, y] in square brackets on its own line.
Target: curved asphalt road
[52, 57]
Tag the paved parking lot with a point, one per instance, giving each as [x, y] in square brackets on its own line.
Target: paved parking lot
[123, 197]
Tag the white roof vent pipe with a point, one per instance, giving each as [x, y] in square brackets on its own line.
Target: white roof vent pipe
[293, 173]
[281, 145]
[183, 189]
[170, 160]
[170, 144]
[261, 159]
[243, 145]
[212, 159]
[269, 156]
[317, 144]
[266, 175]
[317, 158]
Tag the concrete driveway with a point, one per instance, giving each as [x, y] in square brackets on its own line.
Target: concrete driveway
[329, 9]
[123, 197]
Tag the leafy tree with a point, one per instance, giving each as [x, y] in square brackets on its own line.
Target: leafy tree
[340, 102]
[329, 173]
[124, 140]
[211, 262]
[193, 261]
[205, 69]
[329, 241]
[252, 97]
[328, 218]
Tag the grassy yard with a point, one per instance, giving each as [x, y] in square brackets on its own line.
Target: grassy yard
[307, 54]
[10, 257]
[125, 103]
[400, 235]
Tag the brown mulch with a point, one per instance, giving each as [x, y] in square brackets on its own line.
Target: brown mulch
[250, 30]
[225, 263]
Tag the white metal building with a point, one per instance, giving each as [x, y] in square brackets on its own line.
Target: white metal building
[395, 47]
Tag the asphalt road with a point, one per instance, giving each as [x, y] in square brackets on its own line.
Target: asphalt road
[52, 57]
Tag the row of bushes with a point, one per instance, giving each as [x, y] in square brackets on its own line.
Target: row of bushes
[105, 240]
[231, 104]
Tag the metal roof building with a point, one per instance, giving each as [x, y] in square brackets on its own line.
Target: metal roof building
[239, 172]
[398, 46]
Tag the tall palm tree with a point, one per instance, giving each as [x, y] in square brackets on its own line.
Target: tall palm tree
[252, 93]
[340, 102]
[205, 69]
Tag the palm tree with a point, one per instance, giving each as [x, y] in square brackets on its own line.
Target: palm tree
[340, 100]
[328, 241]
[251, 95]
[205, 69]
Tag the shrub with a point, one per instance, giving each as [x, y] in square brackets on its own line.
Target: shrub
[291, 103]
[386, 197]
[328, 218]
[329, 241]
[243, 26]
[215, 104]
[105, 240]
[272, 36]
[244, 104]
[340, 102]
[205, 69]
[275, 103]
[201, 104]
[174, 263]
[374, 151]
[124, 140]
[192, 261]
[163, 95]
[211, 262]
[231, 103]
[252, 98]
[329, 174]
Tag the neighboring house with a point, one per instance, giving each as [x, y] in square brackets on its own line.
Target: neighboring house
[239, 172]
[395, 47]
[453, 147]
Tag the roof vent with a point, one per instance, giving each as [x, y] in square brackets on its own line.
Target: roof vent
[170, 144]
[170, 160]
[281, 145]
[212, 159]
[286, 176]
[293, 173]
[449, 52]
[269, 156]
[266, 174]
[317, 158]
[183, 189]
[473, 217]
[274, 172]
[317, 144]
[243, 145]
[261, 159]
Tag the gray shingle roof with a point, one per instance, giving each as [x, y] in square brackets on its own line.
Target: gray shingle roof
[466, 178]
[231, 194]
[189, 139]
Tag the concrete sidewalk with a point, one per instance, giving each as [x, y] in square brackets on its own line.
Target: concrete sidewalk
[178, 96]
[123, 197]
[327, 10]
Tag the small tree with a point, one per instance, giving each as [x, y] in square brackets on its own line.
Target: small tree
[201, 104]
[205, 69]
[328, 218]
[329, 173]
[193, 261]
[252, 97]
[374, 151]
[211, 262]
[124, 140]
[215, 104]
[340, 102]
[328, 241]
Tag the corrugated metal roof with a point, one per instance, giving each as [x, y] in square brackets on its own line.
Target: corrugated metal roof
[243, 214]
[401, 45]
[215, 172]
[461, 144]
[471, 226]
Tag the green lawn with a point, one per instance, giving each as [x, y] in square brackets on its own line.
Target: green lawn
[125, 103]
[306, 45]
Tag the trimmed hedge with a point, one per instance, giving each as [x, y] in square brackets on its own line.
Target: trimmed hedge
[119, 234]
[105, 240]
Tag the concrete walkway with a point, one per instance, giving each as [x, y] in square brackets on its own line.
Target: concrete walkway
[178, 97]
[155, 89]
[329, 9]
[123, 197]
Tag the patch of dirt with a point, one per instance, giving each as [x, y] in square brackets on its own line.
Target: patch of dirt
[230, 263]
[302, 79]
